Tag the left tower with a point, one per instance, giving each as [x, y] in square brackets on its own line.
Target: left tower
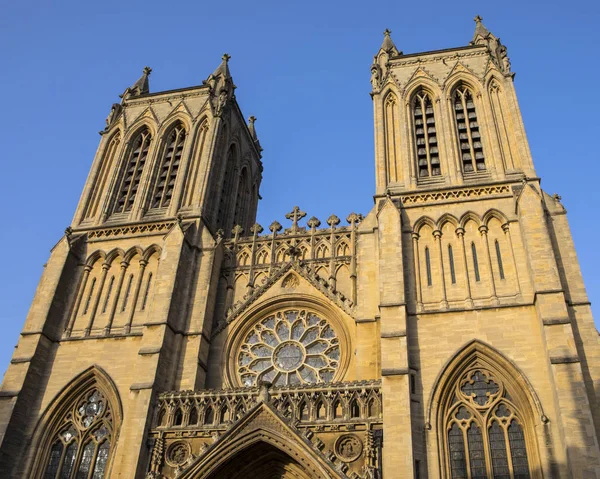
[124, 306]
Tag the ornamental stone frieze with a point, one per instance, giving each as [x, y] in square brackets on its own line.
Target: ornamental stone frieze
[340, 424]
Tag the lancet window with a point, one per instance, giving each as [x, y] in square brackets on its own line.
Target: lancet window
[168, 167]
[469, 135]
[81, 446]
[426, 143]
[133, 166]
[484, 430]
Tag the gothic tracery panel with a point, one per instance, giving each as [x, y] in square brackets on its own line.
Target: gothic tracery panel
[484, 433]
[81, 444]
[290, 347]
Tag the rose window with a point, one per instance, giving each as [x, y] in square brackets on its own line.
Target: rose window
[287, 348]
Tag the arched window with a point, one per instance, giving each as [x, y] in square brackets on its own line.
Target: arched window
[108, 162]
[168, 167]
[131, 173]
[426, 144]
[499, 257]
[243, 199]
[428, 266]
[451, 261]
[475, 262]
[469, 136]
[227, 189]
[147, 292]
[484, 435]
[82, 439]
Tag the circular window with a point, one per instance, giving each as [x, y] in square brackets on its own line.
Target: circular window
[289, 347]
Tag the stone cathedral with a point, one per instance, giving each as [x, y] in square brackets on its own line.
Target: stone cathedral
[445, 334]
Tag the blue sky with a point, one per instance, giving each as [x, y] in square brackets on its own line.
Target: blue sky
[302, 68]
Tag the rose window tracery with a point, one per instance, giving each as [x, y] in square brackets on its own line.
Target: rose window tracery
[289, 347]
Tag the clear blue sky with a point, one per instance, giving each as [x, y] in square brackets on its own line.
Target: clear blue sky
[302, 68]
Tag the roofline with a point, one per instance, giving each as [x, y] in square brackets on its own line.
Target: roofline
[164, 92]
[431, 52]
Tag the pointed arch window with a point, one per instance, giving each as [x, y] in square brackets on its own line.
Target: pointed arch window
[484, 430]
[469, 135]
[227, 188]
[81, 445]
[133, 166]
[428, 266]
[168, 167]
[425, 133]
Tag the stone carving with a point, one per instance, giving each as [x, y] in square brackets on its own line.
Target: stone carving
[348, 447]
[178, 454]
[290, 281]
[375, 76]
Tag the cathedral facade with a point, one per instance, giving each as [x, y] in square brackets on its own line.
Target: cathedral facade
[445, 334]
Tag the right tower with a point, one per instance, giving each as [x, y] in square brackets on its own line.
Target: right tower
[488, 335]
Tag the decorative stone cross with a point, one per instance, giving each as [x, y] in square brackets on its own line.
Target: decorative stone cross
[478, 19]
[295, 215]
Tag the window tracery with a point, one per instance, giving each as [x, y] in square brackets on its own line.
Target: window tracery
[133, 166]
[484, 430]
[469, 136]
[169, 165]
[81, 446]
[289, 347]
[428, 158]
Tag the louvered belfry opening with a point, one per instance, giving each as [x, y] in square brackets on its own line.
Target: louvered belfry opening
[428, 158]
[135, 160]
[469, 136]
[169, 166]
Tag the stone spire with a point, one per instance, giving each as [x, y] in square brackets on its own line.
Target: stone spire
[483, 36]
[252, 130]
[140, 87]
[388, 44]
[481, 33]
[223, 69]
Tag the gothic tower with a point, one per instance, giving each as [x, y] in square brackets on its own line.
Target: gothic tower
[445, 334]
[120, 306]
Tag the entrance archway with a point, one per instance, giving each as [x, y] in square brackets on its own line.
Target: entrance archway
[261, 460]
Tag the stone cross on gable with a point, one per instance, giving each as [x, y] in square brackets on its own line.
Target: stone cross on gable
[295, 215]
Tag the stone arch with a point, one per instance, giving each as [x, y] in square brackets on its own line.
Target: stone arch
[470, 216]
[236, 457]
[447, 218]
[151, 250]
[494, 213]
[520, 393]
[422, 221]
[95, 256]
[114, 254]
[424, 83]
[462, 78]
[172, 120]
[50, 423]
[133, 251]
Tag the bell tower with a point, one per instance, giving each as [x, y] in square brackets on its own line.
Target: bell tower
[448, 117]
[133, 275]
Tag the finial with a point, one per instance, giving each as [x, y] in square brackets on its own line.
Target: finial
[225, 57]
[252, 119]
[147, 70]
[295, 215]
[388, 44]
[478, 19]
